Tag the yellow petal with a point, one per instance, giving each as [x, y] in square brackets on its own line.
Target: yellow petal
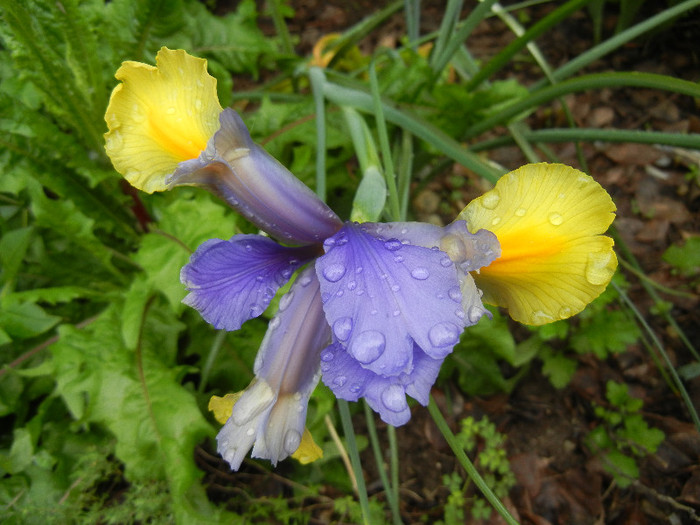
[554, 261]
[223, 406]
[308, 450]
[160, 116]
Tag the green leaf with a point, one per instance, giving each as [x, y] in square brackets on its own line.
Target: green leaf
[603, 332]
[686, 258]
[13, 247]
[138, 398]
[21, 320]
[558, 368]
[370, 197]
[623, 468]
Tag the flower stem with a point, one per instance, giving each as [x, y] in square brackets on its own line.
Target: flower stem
[349, 432]
[391, 495]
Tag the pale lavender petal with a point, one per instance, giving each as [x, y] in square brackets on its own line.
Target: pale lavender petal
[235, 280]
[256, 185]
[470, 251]
[381, 296]
[385, 394]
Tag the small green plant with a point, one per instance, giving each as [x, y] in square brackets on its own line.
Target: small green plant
[685, 259]
[623, 436]
[479, 438]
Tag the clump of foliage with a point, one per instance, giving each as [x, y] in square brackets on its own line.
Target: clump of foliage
[623, 436]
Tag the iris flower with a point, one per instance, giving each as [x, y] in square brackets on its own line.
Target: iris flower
[374, 308]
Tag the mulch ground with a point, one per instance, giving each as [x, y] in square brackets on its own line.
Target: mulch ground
[657, 192]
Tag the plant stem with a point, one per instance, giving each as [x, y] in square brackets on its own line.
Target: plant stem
[349, 431]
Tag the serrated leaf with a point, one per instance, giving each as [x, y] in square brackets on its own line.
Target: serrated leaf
[558, 368]
[138, 398]
[686, 258]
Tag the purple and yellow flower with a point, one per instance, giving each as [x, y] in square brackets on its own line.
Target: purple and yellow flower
[374, 308]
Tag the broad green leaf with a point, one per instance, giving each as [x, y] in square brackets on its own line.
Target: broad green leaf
[22, 320]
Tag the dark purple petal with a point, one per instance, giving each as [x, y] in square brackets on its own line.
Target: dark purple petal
[381, 296]
[256, 185]
[386, 395]
[235, 280]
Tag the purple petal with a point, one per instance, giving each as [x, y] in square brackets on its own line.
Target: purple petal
[386, 395]
[270, 415]
[289, 353]
[235, 280]
[382, 296]
[256, 185]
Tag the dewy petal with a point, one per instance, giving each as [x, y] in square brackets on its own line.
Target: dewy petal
[548, 219]
[255, 184]
[348, 380]
[160, 116]
[381, 296]
[235, 280]
[270, 414]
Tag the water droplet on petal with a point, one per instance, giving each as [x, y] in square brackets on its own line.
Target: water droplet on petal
[334, 272]
[555, 219]
[255, 310]
[367, 346]
[339, 293]
[340, 380]
[495, 221]
[352, 285]
[250, 431]
[395, 287]
[305, 280]
[325, 367]
[394, 398]
[490, 200]
[170, 111]
[444, 334]
[446, 262]
[564, 312]
[285, 301]
[420, 273]
[359, 269]
[540, 317]
[396, 313]
[455, 294]
[598, 268]
[342, 328]
[329, 243]
[274, 323]
[292, 439]
[398, 258]
[355, 388]
[520, 212]
[475, 314]
[459, 313]
[327, 355]
[392, 245]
